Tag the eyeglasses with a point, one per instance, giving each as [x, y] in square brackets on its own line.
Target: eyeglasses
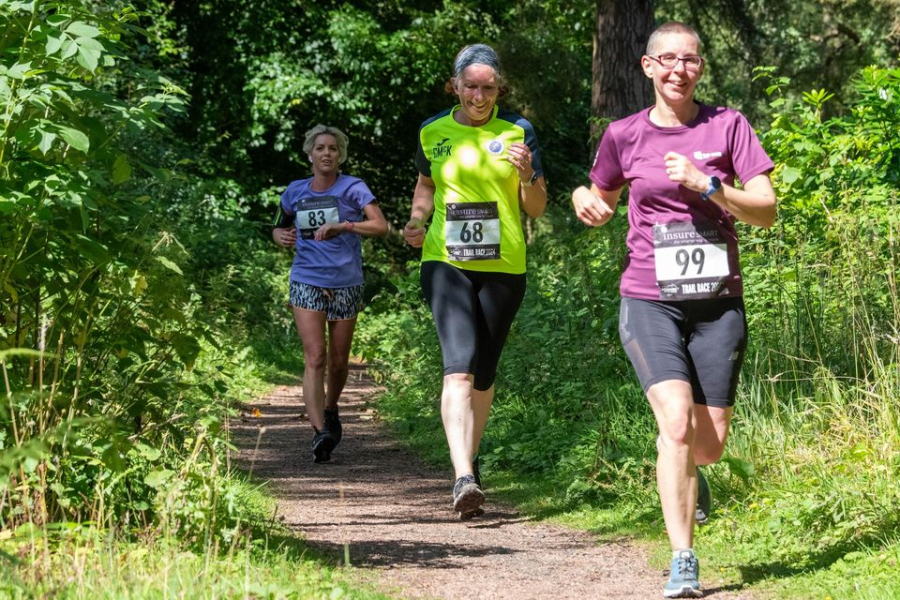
[670, 61]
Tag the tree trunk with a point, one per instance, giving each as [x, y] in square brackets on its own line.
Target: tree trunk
[619, 87]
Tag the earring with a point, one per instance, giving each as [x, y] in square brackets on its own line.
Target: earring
[309, 156]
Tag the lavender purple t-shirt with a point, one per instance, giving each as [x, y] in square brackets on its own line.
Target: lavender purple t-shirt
[335, 262]
[667, 221]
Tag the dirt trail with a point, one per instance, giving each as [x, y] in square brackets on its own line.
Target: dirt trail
[396, 517]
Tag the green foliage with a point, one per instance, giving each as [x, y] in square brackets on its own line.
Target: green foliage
[114, 370]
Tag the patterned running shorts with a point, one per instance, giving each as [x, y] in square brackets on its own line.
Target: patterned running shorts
[338, 304]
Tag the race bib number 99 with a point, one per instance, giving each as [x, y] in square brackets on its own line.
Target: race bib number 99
[312, 213]
[692, 260]
[472, 231]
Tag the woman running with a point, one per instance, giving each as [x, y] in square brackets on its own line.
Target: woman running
[478, 166]
[681, 317]
[322, 219]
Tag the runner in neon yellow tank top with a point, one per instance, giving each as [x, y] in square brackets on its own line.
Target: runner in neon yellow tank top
[478, 166]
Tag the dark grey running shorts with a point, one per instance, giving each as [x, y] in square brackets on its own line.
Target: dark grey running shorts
[698, 341]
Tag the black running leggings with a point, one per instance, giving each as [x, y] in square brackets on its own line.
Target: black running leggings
[473, 312]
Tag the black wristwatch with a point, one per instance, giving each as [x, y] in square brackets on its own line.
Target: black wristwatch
[530, 182]
[715, 184]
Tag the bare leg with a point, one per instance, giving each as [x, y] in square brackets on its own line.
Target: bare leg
[481, 406]
[458, 414]
[311, 327]
[676, 474]
[340, 338]
[711, 425]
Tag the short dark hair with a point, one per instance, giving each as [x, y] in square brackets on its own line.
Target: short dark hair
[671, 27]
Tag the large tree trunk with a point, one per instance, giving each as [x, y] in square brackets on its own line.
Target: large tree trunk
[619, 86]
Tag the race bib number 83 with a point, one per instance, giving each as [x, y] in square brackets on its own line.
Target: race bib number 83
[312, 213]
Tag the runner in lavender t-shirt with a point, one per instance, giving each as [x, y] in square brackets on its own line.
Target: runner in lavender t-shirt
[321, 219]
[682, 319]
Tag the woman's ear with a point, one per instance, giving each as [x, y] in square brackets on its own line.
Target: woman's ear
[647, 66]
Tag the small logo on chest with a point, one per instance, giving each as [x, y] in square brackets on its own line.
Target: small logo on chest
[440, 150]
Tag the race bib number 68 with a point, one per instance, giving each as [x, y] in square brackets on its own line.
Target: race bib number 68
[472, 231]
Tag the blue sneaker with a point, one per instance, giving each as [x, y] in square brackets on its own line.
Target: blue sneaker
[704, 499]
[683, 578]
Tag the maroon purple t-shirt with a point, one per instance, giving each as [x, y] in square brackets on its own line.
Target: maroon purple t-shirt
[680, 247]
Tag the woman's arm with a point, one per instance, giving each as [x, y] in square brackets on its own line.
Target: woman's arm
[374, 225]
[755, 204]
[283, 230]
[422, 207]
[533, 198]
[594, 206]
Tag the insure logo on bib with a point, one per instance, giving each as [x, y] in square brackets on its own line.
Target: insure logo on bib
[495, 147]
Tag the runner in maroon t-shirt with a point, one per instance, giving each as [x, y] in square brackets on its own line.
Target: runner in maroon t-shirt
[682, 319]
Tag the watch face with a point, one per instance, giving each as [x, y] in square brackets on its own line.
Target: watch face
[534, 178]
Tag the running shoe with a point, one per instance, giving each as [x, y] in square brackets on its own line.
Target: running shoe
[476, 473]
[704, 499]
[322, 445]
[467, 497]
[683, 578]
[333, 424]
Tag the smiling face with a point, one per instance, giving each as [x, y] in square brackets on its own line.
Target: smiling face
[675, 85]
[325, 154]
[477, 88]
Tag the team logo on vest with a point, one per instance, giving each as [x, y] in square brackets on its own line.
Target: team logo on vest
[706, 155]
[495, 147]
[440, 150]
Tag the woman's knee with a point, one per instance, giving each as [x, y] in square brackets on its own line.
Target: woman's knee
[677, 431]
[315, 358]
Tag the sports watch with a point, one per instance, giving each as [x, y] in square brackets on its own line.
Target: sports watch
[530, 182]
[715, 184]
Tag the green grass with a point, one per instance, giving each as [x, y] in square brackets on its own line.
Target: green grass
[83, 564]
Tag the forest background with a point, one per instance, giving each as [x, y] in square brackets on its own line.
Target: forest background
[143, 150]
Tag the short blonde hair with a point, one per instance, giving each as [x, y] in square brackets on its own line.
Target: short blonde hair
[310, 136]
[672, 27]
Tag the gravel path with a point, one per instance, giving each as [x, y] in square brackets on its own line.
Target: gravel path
[395, 516]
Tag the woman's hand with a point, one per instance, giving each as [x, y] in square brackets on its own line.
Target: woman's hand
[519, 155]
[414, 233]
[328, 231]
[592, 209]
[286, 236]
[679, 168]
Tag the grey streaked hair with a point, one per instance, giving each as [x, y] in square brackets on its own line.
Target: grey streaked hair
[671, 27]
[309, 139]
[476, 54]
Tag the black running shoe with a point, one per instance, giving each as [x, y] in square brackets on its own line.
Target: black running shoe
[333, 424]
[322, 445]
[476, 472]
[467, 497]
